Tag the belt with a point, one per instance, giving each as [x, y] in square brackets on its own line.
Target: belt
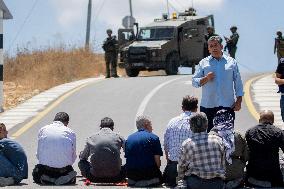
[59, 170]
[170, 161]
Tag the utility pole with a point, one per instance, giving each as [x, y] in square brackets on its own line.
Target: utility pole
[168, 8]
[130, 5]
[89, 14]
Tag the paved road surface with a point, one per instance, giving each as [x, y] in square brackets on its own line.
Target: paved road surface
[121, 99]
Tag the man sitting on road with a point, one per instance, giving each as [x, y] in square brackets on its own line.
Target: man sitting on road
[264, 141]
[13, 160]
[202, 159]
[178, 130]
[104, 148]
[56, 153]
[142, 152]
[235, 147]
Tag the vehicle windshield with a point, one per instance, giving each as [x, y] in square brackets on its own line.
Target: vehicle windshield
[155, 33]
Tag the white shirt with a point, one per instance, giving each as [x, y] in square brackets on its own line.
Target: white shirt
[56, 145]
[178, 130]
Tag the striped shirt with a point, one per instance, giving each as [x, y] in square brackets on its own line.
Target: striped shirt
[178, 130]
[202, 155]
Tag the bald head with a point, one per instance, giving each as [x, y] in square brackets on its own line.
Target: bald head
[266, 116]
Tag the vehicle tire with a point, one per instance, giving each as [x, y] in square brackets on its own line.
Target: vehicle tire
[132, 72]
[172, 64]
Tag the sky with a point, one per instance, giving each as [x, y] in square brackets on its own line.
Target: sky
[39, 24]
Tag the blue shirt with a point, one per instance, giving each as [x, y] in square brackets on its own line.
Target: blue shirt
[140, 149]
[227, 84]
[178, 130]
[14, 152]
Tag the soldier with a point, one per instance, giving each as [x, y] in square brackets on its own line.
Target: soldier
[110, 47]
[210, 33]
[231, 43]
[278, 44]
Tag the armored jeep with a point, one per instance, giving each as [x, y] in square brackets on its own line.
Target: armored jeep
[165, 44]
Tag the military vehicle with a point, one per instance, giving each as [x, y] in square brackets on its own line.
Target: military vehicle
[165, 44]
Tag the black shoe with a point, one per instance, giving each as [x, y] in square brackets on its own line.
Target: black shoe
[107, 77]
[116, 76]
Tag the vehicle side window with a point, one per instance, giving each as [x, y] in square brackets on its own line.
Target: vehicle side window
[190, 33]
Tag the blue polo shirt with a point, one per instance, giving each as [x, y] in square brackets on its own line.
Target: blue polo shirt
[140, 148]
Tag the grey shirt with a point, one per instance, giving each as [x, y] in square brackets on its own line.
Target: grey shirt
[104, 150]
[239, 158]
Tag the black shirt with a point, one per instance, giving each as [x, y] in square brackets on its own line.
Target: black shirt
[264, 141]
[280, 70]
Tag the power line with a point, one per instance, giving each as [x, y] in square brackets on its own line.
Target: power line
[179, 4]
[23, 24]
[99, 10]
[98, 13]
[171, 5]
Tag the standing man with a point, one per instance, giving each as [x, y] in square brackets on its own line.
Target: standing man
[103, 148]
[13, 160]
[143, 153]
[220, 79]
[279, 80]
[210, 33]
[56, 153]
[178, 130]
[264, 141]
[110, 47]
[279, 45]
[231, 43]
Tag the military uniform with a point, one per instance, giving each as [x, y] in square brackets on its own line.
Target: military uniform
[110, 47]
[232, 44]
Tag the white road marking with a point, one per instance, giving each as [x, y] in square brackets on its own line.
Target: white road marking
[33, 106]
[266, 96]
[148, 97]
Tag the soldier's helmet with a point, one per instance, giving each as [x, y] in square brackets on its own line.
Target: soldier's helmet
[278, 32]
[233, 28]
[210, 28]
[109, 31]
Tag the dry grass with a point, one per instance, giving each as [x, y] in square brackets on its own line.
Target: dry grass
[29, 73]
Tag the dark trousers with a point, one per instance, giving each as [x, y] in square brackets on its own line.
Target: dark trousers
[274, 176]
[282, 107]
[232, 52]
[211, 112]
[195, 182]
[170, 173]
[40, 170]
[145, 174]
[111, 64]
[85, 168]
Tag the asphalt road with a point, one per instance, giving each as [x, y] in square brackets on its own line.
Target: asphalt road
[121, 99]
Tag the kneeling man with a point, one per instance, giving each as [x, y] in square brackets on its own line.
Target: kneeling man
[13, 160]
[56, 153]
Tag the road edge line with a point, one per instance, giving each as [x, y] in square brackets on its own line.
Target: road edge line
[248, 97]
[50, 107]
